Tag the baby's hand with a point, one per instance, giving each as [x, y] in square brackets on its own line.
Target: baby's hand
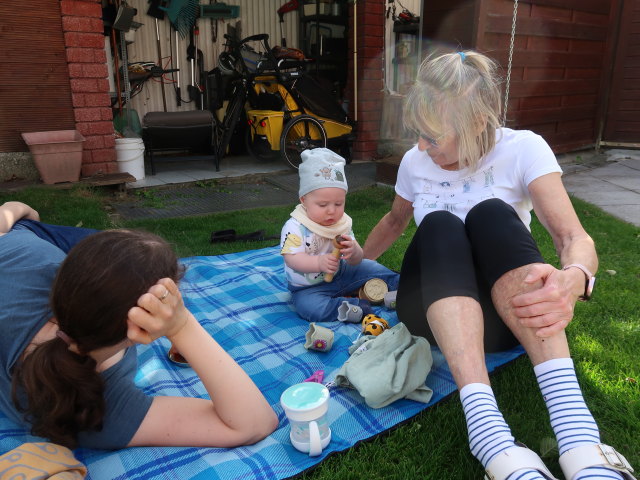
[350, 248]
[328, 263]
[160, 313]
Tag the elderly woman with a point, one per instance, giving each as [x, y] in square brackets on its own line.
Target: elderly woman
[473, 279]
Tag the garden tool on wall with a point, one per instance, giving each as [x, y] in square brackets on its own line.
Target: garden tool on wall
[290, 6]
[182, 14]
[202, 73]
[216, 11]
[164, 97]
[178, 94]
[157, 13]
[193, 54]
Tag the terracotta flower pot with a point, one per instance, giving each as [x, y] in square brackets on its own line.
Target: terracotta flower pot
[57, 154]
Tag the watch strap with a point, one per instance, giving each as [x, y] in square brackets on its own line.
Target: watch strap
[590, 279]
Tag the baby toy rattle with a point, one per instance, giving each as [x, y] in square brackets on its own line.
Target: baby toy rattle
[336, 253]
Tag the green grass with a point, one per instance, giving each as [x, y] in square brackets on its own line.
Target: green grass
[604, 336]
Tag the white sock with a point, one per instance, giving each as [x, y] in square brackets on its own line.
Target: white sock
[571, 419]
[489, 434]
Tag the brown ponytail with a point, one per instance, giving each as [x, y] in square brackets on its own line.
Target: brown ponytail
[103, 276]
[63, 392]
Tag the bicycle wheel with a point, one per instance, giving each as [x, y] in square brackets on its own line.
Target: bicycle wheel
[301, 133]
[231, 117]
[259, 147]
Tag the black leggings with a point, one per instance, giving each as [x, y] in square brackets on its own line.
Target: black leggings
[448, 257]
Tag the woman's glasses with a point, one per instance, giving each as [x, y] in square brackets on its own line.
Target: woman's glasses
[432, 141]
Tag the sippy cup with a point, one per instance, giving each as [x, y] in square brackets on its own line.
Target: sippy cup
[305, 405]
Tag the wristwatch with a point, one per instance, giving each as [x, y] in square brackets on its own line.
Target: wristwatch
[590, 280]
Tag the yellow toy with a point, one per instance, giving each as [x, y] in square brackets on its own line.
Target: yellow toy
[373, 325]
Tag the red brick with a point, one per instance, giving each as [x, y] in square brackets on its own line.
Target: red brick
[103, 85]
[97, 100]
[99, 56]
[87, 114]
[106, 114]
[81, 55]
[373, 73]
[374, 30]
[369, 52]
[81, 9]
[368, 105]
[367, 125]
[78, 100]
[78, 39]
[95, 128]
[109, 141]
[375, 7]
[94, 70]
[75, 70]
[82, 24]
[93, 142]
[71, 24]
[104, 155]
[373, 41]
[366, 85]
[368, 145]
[84, 85]
[373, 63]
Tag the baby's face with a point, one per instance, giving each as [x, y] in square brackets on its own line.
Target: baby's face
[325, 205]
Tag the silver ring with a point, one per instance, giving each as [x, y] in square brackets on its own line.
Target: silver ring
[166, 292]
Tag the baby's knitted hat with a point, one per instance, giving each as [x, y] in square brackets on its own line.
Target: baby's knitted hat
[321, 168]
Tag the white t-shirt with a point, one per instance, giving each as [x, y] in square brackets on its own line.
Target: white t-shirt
[519, 157]
[296, 238]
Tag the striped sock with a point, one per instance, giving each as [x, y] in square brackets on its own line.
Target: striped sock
[489, 434]
[571, 419]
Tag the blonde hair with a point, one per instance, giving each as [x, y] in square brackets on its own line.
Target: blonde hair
[457, 93]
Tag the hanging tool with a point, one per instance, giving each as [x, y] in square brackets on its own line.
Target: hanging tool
[192, 89]
[164, 97]
[214, 24]
[158, 14]
[290, 6]
[182, 14]
[201, 73]
[178, 94]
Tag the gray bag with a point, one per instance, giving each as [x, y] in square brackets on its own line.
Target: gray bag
[388, 367]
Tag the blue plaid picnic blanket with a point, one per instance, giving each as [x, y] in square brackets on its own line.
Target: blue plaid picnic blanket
[242, 300]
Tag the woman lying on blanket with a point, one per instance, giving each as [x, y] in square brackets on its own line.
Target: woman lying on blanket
[474, 271]
[69, 375]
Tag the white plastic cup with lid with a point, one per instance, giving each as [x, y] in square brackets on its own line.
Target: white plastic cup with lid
[305, 405]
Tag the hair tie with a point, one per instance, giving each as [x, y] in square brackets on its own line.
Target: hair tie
[462, 56]
[65, 338]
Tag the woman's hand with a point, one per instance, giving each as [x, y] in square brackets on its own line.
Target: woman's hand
[160, 313]
[549, 308]
[351, 250]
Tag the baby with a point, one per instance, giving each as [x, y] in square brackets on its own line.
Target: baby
[321, 283]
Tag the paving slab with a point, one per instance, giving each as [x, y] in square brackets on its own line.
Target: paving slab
[209, 196]
[614, 187]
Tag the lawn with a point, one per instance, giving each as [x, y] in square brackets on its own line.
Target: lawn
[604, 336]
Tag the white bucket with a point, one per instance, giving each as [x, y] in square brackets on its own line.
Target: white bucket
[130, 156]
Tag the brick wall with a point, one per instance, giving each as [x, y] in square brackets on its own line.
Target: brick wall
[84, 41]
[370, 46]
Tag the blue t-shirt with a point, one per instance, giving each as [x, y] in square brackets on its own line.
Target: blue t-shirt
[28, 265]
